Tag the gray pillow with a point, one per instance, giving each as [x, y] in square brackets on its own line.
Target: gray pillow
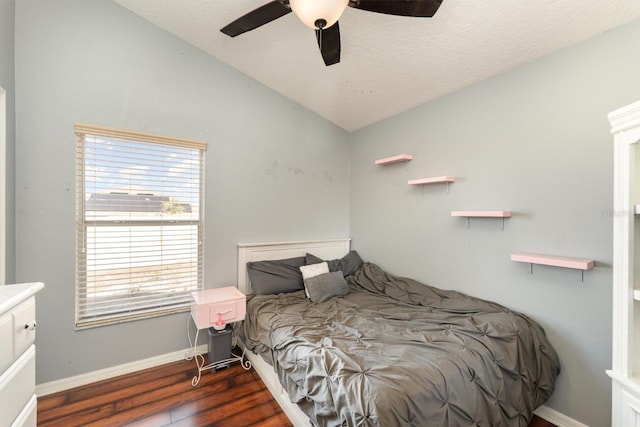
[325, 286]
[276, 276]
[348, 264]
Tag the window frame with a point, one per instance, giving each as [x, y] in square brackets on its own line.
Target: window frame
[152, 302]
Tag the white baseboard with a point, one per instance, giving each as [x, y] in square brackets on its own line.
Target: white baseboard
[557, 418]
[103, 374]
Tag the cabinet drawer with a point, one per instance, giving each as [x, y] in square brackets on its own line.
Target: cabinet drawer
[6, 338]
[24, 324]
[29, 415]
[17, 386]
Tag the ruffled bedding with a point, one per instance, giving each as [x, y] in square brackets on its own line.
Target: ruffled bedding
[396, 352]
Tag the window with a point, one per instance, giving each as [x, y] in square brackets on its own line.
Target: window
[139, 217]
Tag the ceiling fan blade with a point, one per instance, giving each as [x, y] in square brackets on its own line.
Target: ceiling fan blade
[420, 8]
[257, 17]
[329, 43]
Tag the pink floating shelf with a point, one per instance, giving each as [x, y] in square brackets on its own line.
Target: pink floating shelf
[482, 214]
[434, 180]
[554, 261]
[394, 159]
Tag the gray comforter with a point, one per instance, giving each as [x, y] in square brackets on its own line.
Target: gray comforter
[395, 352]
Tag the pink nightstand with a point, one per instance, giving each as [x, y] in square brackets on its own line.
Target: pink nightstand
[208, 308]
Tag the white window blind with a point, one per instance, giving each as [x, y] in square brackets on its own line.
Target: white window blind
[139, 216]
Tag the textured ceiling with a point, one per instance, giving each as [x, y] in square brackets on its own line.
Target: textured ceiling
[389, 64]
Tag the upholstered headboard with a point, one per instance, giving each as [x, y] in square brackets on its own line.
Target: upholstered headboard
[247, 252]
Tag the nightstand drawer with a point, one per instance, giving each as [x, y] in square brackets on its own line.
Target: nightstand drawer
[229, 302]
[228, 311]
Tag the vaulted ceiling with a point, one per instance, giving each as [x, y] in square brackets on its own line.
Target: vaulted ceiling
[389, 64]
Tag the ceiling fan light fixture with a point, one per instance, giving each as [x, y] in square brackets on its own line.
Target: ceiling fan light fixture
[318, 14]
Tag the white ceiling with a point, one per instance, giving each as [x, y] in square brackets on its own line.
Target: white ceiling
[389, 64]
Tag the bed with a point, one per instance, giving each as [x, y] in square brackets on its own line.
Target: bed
[390, 351]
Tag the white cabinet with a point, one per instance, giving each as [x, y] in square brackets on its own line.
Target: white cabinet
[18, 354]
[625, 370]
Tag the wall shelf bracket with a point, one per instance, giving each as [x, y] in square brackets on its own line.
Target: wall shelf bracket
[580, 272]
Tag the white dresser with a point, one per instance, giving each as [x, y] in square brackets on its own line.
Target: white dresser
[18, 354]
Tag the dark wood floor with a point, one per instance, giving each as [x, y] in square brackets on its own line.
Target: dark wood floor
[163, 396]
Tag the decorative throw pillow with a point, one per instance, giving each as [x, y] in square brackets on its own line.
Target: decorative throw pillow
[313, 270]
[276, 276]
[326, 286]
[348, 264]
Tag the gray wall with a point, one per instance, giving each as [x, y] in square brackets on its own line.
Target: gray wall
[7, 69]
[268, 161]
[535, 141]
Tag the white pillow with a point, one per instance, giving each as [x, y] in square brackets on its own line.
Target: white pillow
[313, 270]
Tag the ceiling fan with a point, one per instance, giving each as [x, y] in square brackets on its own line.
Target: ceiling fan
[323, 15]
